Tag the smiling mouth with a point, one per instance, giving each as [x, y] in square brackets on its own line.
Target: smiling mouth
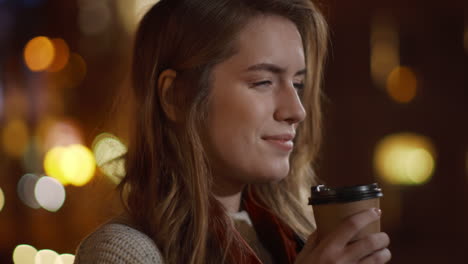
[281, 142]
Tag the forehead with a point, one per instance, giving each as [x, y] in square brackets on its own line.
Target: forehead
[270, 39]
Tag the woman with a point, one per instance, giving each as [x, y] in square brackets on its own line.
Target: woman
[227, 126]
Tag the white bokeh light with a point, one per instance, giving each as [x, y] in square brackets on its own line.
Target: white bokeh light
[50, 193]
[24, 254]
[65, 259]
[25, 189]
[46, 256]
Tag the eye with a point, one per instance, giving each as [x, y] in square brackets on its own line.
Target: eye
[262, 83]
[299, 86]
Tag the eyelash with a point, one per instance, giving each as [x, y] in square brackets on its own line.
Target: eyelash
[298, 86]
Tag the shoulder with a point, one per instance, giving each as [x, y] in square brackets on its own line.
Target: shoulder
[117, 243]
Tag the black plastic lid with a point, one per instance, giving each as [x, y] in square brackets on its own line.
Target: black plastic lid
[322, 194]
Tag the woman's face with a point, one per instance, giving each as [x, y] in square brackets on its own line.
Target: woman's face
[254, 106]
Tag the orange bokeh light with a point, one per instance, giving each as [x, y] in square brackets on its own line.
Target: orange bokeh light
[402, 84]
[39, 53]
[62, 54]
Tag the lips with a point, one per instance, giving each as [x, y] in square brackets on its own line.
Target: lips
[282, 142]
[284, 137]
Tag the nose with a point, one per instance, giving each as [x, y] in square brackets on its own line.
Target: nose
[289, 107]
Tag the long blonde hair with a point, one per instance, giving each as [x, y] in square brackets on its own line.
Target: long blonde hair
[167, 187]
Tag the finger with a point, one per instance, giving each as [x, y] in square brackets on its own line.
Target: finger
[308, 248]
[349, 228]
[378, 257]
[367, 245]
[311, 243]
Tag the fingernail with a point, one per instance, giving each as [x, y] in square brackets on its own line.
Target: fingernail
[378, 211]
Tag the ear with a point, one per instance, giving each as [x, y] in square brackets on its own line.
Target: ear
[165, 84]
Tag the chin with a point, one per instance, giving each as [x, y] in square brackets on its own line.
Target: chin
[272, 176]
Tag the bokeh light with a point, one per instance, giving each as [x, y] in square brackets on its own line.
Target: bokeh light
[2, 199]
[46, 256]
[50, 193]
[39, 53]
[109, 153]
[73, 164]
[78, 165]
[94, 17]
[52, 164]
[402, 84]
[385, 52]
[24, 254]
[15, 137]
[26, 186]
[405, 159]
[62, 54]
[65, 259]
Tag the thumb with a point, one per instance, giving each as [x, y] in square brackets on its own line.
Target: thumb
[309, 246]
[312, 242]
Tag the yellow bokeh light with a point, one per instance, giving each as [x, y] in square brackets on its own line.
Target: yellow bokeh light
[15, 137]
[39, 53]
[406, 159]
[46, 256]
[109, 153]
[2, 199]
[402, 84]
[52, 163]
[24, 254]
[62, 53]
[73, 164]
[78, 165]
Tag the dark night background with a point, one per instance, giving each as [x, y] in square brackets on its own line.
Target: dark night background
[427, 222]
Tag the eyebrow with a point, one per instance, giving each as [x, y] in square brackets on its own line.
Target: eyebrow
[272, 68]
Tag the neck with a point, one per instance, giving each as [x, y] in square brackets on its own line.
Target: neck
[230, 202]
[228, 193]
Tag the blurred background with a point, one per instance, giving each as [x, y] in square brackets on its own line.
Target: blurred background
[396, 113]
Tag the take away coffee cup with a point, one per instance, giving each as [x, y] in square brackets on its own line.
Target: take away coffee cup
[332, 205]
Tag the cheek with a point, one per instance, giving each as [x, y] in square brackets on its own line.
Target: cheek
[235, 120]
[236, 124]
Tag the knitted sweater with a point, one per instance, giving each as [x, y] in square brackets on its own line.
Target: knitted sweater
[117, 242]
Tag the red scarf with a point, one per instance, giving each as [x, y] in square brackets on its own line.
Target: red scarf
[278, 238]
